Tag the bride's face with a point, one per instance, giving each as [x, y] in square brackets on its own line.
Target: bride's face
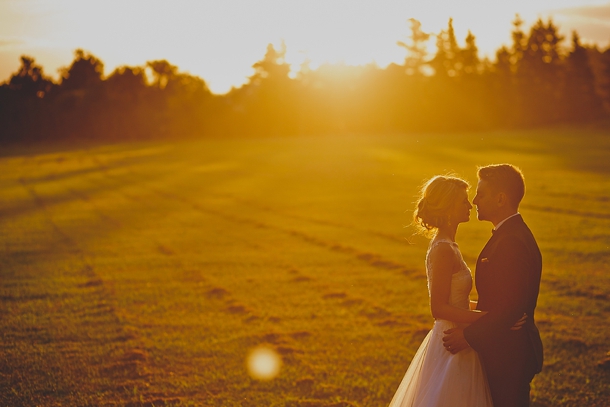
[461, 211]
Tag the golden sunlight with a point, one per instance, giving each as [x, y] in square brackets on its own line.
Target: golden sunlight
[220, 41]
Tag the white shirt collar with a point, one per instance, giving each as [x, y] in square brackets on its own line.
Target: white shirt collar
[500, 223]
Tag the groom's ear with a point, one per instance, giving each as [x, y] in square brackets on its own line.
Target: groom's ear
[502, 199]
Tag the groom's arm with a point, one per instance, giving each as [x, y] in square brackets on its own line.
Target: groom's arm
[508, 291]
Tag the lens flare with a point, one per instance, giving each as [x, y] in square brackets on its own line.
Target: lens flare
[263, 363]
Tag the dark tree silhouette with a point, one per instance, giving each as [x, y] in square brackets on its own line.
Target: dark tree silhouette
[533, 81]
[582, 102]
[502, 92]
[190, 107]
[30, 80]
[127, 111]
[23, 111]
[519, 45]
[85, 72]
[80, 100]
[448, 58]
[470, 56]
[604, 81]
[539, 75]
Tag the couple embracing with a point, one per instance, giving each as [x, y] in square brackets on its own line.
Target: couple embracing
[485, 353]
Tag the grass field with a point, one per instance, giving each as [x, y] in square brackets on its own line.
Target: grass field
[144, 274]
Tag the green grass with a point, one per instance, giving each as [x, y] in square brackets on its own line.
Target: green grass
[143, 274]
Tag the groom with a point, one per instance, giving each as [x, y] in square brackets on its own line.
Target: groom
[508, 280]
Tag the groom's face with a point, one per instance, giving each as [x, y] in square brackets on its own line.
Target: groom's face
[485, 201]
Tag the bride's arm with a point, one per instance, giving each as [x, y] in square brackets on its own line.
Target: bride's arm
[442, 263]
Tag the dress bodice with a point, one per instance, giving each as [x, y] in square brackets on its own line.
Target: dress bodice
[461, 281]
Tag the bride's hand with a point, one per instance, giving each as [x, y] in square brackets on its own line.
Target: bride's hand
[519, 324]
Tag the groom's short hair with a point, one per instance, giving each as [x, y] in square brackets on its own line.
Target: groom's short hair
[504, 178]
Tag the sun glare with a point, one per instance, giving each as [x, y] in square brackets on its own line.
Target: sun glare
[263, 363]
[220, 41]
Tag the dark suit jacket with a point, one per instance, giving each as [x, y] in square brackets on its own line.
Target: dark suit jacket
[507, 278]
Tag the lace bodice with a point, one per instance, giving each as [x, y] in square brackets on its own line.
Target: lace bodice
[461, 281]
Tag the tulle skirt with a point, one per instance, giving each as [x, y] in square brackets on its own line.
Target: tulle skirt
[436, 378]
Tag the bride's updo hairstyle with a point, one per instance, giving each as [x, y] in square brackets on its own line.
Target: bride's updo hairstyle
[438, 197]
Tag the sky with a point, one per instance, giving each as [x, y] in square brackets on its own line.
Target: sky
[220, 40]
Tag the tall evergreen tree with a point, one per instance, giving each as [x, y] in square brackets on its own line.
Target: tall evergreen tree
[539, 74]
[448, 58]
[519, 42]
[454, 53]
[502, 94]
[470, 56]
[582, 103]
[268, 100]
[416, 49]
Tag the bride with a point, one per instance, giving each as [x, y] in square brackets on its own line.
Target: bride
[436, 377]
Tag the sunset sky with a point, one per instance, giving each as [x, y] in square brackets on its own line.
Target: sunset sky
[219, 40]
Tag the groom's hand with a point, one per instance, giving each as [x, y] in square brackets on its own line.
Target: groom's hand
[454, 340]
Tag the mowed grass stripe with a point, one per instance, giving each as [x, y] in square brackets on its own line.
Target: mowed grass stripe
[174, 252]
[371, 259]
[140, 355]
[367, 257]
[85, 338]
[267, 266]
[219, 325]
[246, 206]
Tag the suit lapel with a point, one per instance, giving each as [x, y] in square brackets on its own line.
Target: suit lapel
[487, 247]
[506, 227]
[510, 225]
[483, 273]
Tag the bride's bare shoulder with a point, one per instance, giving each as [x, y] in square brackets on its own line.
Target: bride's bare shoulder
[440, 246]
[441, 249]
[441, 255]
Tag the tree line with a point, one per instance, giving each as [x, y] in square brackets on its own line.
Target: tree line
[535, 81]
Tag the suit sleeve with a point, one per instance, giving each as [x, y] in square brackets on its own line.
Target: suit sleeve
[509, 290]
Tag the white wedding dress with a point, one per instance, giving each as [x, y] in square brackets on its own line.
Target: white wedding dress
[437, 378]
